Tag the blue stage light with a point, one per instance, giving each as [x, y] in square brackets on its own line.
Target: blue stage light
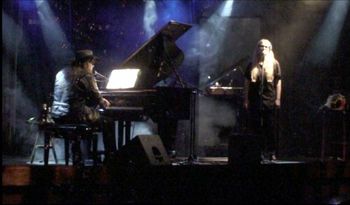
[26, 5]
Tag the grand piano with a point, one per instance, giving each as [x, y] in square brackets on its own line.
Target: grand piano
[157, 59]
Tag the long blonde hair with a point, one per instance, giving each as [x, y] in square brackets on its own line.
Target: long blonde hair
[267, 63]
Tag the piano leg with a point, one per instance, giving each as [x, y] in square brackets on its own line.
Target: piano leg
[120, 134]
[124, 133]
[127, 132]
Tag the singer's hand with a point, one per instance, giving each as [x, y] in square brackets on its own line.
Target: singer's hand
[246, 104]
[278, 103]
[105, 102]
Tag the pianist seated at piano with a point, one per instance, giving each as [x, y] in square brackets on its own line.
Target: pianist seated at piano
[76, 99]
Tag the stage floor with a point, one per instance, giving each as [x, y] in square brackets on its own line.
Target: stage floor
[26, 160]
[205, 180]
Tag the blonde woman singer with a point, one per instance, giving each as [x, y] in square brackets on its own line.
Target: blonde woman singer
[262, 96]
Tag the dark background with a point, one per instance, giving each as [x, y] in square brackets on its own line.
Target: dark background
[34, 50]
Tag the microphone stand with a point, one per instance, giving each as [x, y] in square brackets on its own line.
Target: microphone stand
[101, 80]
[193, 101]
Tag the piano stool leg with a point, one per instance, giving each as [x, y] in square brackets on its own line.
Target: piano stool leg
[53, 150]
[36, 145]
[66, 150]
[47, 138]
[76, 150]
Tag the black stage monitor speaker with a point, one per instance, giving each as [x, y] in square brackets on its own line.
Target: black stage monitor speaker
[145, 150]
[244, 150]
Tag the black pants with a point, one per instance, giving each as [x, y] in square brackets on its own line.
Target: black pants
[261, 122]
[109, 138]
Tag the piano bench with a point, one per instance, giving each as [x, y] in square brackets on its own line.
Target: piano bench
[70, 132]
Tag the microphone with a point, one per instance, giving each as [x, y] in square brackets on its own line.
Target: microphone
[99, 75]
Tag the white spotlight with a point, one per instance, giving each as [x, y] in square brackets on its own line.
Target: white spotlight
[150, 18]
[227, 9]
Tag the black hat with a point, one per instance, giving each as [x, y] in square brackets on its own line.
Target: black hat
[84, 54]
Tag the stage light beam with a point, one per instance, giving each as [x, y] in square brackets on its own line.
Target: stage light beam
[150, 18]
[227, 9]
[53, 35]
[325, 43]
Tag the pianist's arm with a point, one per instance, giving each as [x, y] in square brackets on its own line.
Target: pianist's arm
[93, 95]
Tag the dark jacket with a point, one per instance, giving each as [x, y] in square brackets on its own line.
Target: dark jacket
[263, 93]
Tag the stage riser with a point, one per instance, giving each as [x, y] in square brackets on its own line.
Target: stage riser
[270, 183]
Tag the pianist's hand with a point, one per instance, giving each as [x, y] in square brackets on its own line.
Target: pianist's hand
[105, 103]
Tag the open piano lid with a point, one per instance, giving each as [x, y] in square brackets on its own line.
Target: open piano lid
[159, 56]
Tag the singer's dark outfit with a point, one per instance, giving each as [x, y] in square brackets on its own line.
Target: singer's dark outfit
[262, 96]
[76, 98]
